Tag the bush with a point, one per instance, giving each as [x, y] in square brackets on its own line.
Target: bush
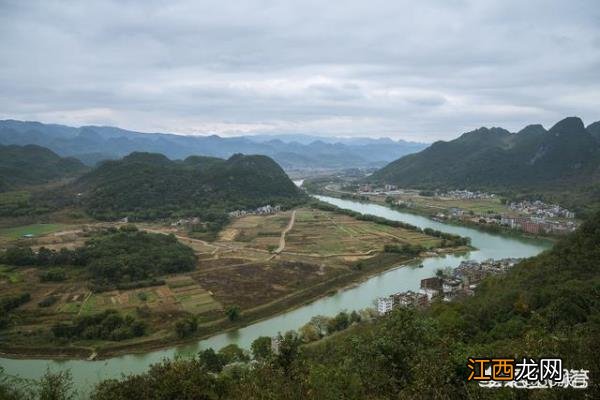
[108, 325]
[11, 302]
[48, 301]
[186, 327]
[408, 250]
[53, 275]
[233, 313]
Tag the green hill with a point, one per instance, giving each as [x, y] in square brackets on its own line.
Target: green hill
[496, 159]
[149, 186]
[33, 165]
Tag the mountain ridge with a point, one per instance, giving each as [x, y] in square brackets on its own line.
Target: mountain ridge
[27, 165]
[493, 158]
[309, 151]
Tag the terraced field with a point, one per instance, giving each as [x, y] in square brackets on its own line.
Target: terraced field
[323, 251]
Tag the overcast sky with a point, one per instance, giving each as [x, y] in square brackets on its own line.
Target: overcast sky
[346, 68]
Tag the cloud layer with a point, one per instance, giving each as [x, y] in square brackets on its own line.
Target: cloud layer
[353, 68]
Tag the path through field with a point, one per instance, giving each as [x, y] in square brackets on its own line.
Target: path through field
[285, 231]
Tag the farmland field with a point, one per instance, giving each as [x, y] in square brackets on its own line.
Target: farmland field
[317, 253]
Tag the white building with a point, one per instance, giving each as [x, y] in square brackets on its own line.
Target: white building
[384, 305]
[275, 343]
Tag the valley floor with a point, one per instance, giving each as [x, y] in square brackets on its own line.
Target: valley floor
[264, 265]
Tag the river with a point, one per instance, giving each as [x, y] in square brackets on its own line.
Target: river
[86, 373]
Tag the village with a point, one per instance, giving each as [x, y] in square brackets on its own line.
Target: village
[193, 221]
[264, 210]
[482, 208]
[446, 285]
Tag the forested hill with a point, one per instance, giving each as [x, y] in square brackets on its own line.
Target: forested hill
[32, 165]
[496, 159]
[149, 185]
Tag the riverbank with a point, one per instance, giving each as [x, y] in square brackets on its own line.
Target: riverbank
[371, 267]
[495, 229]
[357, 295]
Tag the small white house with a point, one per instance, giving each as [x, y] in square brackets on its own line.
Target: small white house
[384, 305]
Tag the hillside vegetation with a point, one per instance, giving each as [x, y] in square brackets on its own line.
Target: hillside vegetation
[33, 165]
[535, 160]
[149, 186]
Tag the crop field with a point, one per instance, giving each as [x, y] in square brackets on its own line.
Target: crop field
[252, 285]
[320, 245]
[257, 263]
[326, 234]
[261, 231]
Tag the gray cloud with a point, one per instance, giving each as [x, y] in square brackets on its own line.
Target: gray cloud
[377, 68]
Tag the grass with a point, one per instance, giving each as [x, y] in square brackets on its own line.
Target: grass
[10, 274]
[70, 307]
[35, 229]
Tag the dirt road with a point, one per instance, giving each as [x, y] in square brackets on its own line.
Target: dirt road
[285, 231]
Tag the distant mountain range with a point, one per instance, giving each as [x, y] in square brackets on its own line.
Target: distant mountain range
[91, 144]
[33, 165]
[566, 156]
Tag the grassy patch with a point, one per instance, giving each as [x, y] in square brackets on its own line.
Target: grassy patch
[10, 274]
[35, 229]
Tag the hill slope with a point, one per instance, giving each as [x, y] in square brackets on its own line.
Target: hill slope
[149, 185]
[33, 165]
[496, 159]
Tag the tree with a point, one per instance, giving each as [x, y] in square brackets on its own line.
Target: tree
[14, 388]
[338, 323]
[289, 351]
[20, 256]
[233, 353]
[186, 327]
[320, 322]
[233, 313]
[56, 386]
[309, 332]
[355, 317]
[211, 360]
[261, 348]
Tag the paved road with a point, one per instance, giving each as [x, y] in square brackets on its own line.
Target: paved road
[285, 231]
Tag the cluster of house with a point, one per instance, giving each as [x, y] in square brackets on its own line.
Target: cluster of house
[541, 209]
[466, 195]
[264, 210]
[538, 225]
[368, 188]
[535, 223]
[462, 282]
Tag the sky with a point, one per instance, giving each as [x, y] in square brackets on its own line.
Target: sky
[416, 70]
